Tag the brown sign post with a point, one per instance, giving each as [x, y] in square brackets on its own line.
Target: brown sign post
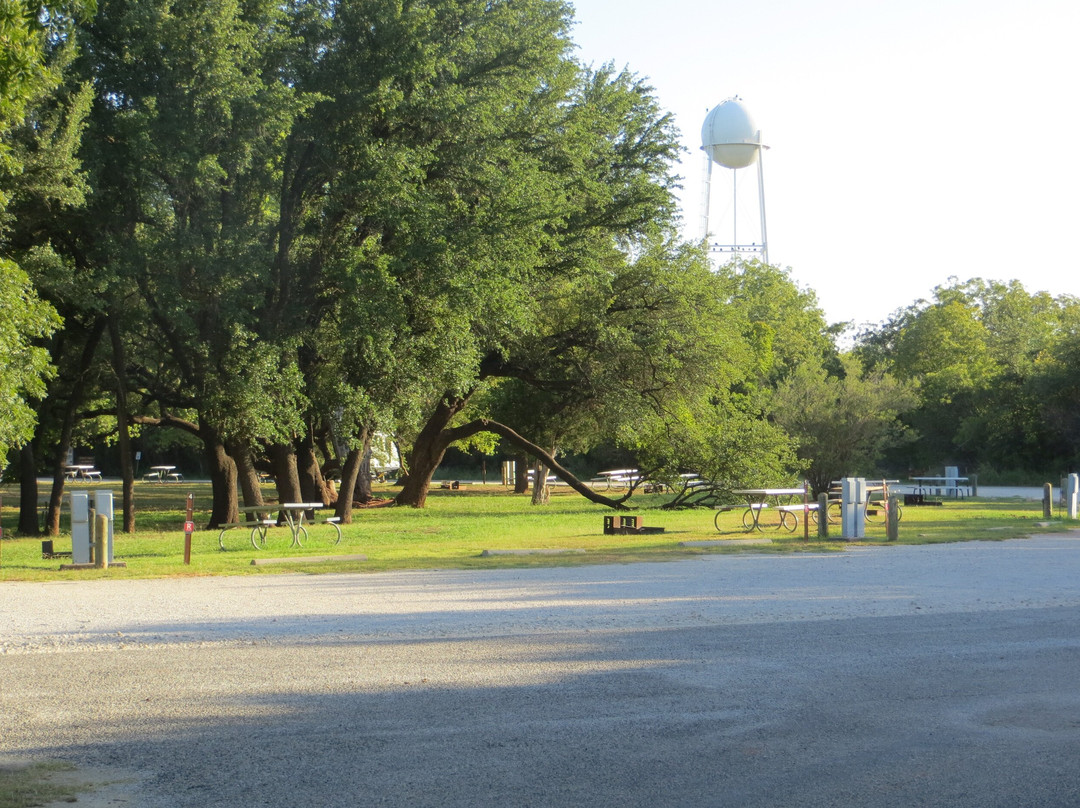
[189, 528]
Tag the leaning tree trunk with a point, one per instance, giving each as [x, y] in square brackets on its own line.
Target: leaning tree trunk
[449, 435]
[28, 492]
[349, 472]
[428, 452]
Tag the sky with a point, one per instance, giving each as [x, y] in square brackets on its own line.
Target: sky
[910, 142]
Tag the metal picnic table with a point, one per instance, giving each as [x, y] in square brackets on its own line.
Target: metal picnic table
[757, 501]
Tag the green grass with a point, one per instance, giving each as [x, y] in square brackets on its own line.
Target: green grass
[457, 526]
[28, 786]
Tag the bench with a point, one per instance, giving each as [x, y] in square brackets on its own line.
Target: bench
[258, 526]
[797, 507]
[336, 522]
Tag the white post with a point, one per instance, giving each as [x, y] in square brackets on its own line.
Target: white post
[951, 481]
[1074, 485]
[103, 504]
[80, 527]
[761, 199]
[705, 200]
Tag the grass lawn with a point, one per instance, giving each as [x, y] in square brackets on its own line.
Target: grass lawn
[457, 526]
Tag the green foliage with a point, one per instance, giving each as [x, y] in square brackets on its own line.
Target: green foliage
[188, 138]
[989, 358]
[782, 322]
[39, 134]
[24, 319]
[842, 424]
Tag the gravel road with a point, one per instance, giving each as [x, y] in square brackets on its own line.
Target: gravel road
[933, 675]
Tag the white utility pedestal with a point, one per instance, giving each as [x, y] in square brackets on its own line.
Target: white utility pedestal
[852, 513]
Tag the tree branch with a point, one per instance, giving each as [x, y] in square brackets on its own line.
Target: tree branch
[530, 448]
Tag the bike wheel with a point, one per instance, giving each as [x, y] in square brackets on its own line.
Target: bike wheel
[789, 521]
[716, 521]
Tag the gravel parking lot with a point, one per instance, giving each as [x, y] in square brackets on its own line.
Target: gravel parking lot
[933, 675]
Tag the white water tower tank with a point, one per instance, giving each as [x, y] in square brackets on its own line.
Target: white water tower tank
[729, 135]
[730, 138]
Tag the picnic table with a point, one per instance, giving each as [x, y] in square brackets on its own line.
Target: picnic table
[757, 503]
[292, 513]
[953, 486]
[618, 479]
[162, 473]
[81, 472]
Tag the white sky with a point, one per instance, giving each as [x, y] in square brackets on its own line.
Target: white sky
[911, 140]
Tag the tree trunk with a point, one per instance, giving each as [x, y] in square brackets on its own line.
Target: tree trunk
[283, 460]
[127, 472]
[312, 485]
[247, 476]
[56, 494]
[364, 492]
[428, 452]
[521, 474]
[28, 492]
[349, 473]
[223, 479]
[541, 494]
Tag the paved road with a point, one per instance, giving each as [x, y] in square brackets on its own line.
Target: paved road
[902, 676]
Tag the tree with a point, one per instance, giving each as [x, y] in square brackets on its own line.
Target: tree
[841, 424]
[979, 352]
[24, 320]
[188, 134]
[605, 168]
[39, 133]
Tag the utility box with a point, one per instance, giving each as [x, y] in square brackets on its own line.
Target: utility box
[852, 511]
[80, 527]
[80, 524]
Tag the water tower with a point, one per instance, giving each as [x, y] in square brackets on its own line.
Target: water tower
[730, 138]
